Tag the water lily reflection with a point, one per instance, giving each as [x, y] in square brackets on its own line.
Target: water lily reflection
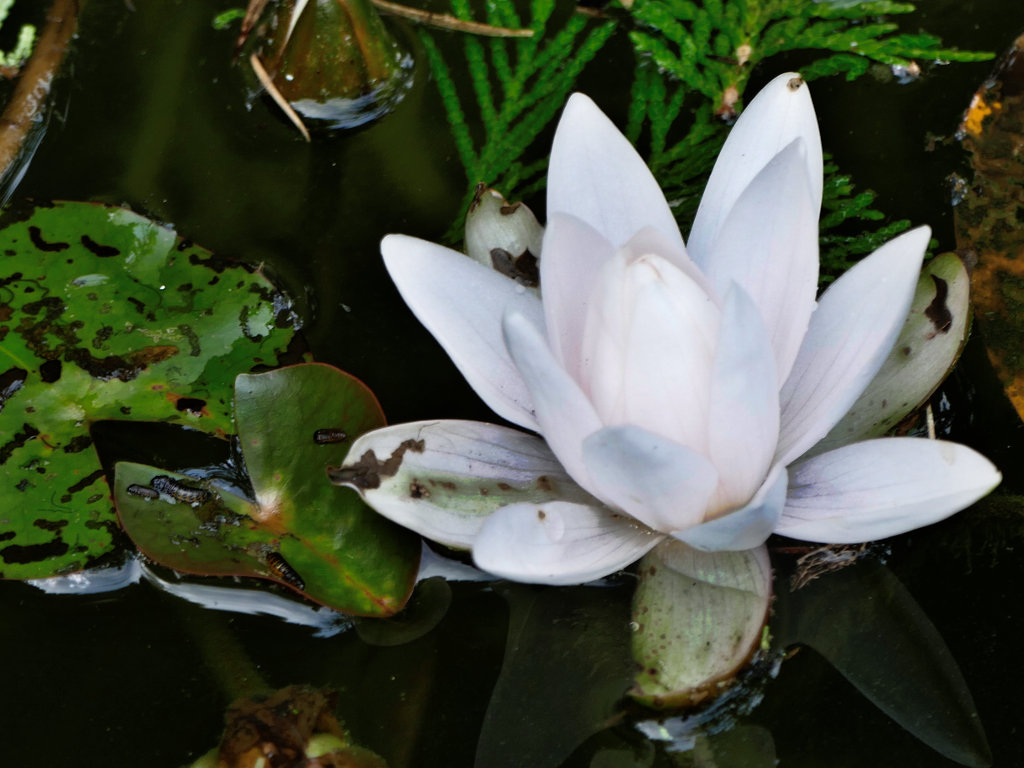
[678, 386]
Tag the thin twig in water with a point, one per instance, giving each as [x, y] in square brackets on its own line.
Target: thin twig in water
[445, 21]
[28, 102]
[282, 102]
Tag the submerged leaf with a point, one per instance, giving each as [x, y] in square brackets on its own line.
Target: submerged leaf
[565, 670]
[106, 315]
[863, 620]
[299, 529]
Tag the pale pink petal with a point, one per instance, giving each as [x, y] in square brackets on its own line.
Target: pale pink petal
[850, 335]
[781, 112]
[743, 427]
[597, 176]
[461, 303]
[769, 245]
[649, 341]
[650, 242]
[661, 483]
[559, 543]
[747, 527]
[880, 488]
[574, 254]
[564, 414]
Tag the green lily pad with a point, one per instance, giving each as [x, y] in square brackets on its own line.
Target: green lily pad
[299, 529]
[107, 315]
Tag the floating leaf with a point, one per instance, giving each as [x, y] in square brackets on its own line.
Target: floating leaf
[924, 353]
[698, 618]
[106, 315]
[990, 218]
[299, 530]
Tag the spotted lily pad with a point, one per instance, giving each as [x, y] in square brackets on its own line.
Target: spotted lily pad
[107, 315]
[298, 528]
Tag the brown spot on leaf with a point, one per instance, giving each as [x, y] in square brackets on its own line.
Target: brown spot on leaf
[35, 234]
[11, 381]
[190, 405]
[98, 249]
[418, 490]
[367, 473]
[17, 440]
[22, 554]
[938, 311]
[544, 483]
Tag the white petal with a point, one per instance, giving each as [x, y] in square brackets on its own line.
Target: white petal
[881, 488]
[661, 483]
[650, 241]
[443, 478]
[564, 414]
[559, 543]
[747, 527]
[769, 245]
[851, 334]
[743, 428]
[461, 303]
[574, 254]
[597, 176]
[780, 113]
[650, 340]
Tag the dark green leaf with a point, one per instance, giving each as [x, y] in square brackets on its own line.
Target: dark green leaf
[863, 620]
[566, 668]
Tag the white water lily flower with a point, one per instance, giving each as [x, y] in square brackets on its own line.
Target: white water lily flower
[677, 385]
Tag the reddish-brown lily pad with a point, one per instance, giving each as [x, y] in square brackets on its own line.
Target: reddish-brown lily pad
[990, 218]
[298, 529]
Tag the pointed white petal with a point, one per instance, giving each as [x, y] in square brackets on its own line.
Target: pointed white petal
[747, 527]
[461, 303]
[780, 113]
[661, 483]
[881, 488]
[743, 427]
[597, 176]
[559, 543]
[851, 334]
[443, 478]
[650, 341]
[574, 254]
[564, 414]
[768, 244]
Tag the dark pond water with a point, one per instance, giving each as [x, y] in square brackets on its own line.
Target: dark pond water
[152, 115]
